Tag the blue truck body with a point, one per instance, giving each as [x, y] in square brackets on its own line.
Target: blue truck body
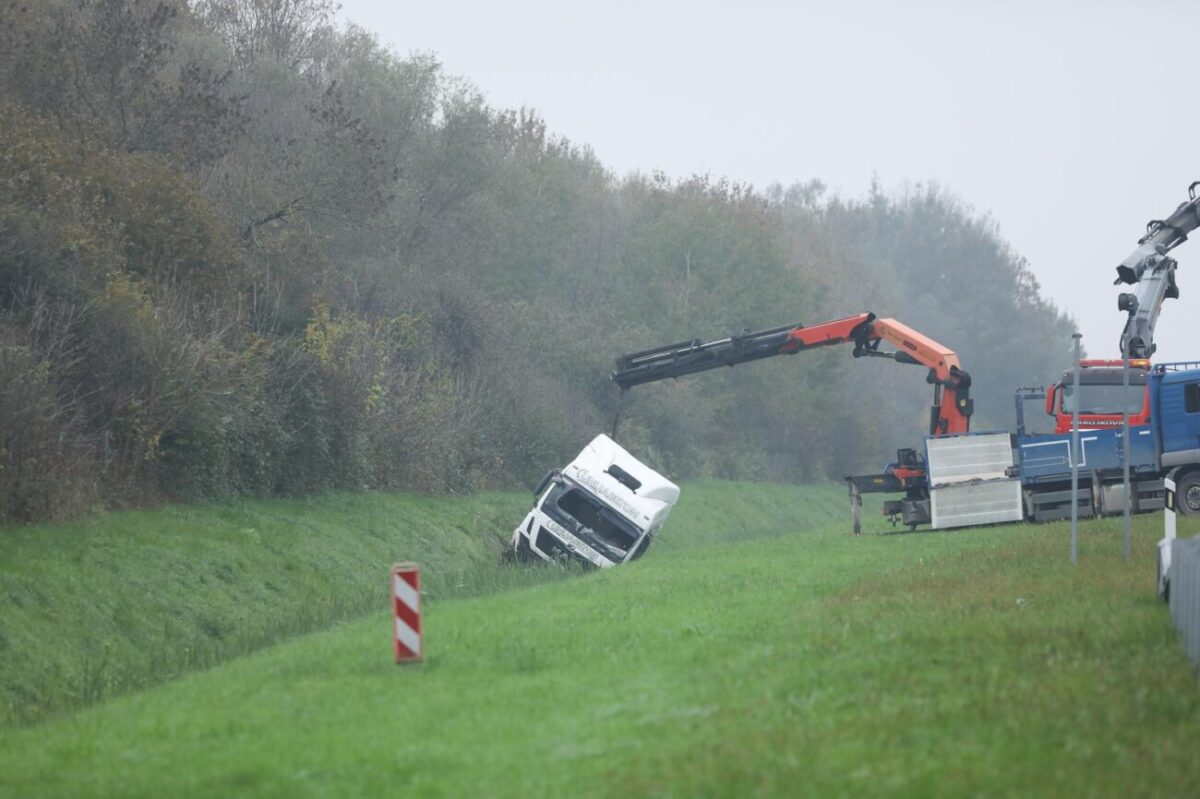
[1047, 458]
[1170, 443]
[989, 478]
[1175, 398]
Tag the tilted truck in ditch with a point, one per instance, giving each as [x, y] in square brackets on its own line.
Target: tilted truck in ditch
[603, 508]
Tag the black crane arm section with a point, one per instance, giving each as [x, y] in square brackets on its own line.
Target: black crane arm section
[689, 357]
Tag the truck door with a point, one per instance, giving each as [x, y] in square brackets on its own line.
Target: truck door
[1179, 417]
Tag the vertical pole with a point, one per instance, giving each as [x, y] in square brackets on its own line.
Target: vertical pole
[855, 506]
[1075, 454]
[1125, 444]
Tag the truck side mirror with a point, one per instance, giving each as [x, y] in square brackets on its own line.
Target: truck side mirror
[545, 481]
[1051, 400]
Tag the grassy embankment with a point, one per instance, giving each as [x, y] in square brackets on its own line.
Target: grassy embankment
[977, 662]
[120, 602]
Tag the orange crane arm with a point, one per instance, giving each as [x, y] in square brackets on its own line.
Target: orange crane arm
[952, 405]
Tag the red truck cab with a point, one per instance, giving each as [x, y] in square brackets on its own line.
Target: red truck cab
[1102, 396]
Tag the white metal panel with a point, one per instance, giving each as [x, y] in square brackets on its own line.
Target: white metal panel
[967, 504]
[963, 459]
[1169, 512]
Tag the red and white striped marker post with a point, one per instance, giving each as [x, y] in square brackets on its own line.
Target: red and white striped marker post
[406, 612]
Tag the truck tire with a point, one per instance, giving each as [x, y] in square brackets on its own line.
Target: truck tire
[1187, 494]
[517, 550]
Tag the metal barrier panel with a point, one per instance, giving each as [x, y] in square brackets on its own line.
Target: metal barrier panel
[967, 459]
[1184, 580]
[992, 502]
[969, 482]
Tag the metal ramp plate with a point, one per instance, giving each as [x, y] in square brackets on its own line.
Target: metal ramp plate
[968, 481]
[968, 504]
[965, 459]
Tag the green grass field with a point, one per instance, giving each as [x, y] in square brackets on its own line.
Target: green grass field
[124, 601]
[978, 662]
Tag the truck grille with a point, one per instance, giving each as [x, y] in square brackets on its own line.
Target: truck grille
[547, 543]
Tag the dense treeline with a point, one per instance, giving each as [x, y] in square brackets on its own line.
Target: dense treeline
[243, 251]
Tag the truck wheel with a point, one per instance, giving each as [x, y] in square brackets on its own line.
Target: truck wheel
[1187, 495]
[521, 551]
[517, 550]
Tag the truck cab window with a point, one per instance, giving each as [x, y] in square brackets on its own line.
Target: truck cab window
[1191, 398]
[583, 515]
[1103, 399]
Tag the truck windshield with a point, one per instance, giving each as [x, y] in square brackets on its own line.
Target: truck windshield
[1103, 399]
[584, 515]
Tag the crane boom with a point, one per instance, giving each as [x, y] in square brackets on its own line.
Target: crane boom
[1153, 271]
[952, 405]
[689, 357]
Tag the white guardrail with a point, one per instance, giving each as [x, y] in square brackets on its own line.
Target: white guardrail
[1179, 578]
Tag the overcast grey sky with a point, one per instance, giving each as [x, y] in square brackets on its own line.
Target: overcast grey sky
[1071, 123]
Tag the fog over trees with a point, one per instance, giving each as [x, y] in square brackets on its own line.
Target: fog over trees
[244, 251]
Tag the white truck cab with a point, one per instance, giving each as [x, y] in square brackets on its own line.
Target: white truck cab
[603, 508]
